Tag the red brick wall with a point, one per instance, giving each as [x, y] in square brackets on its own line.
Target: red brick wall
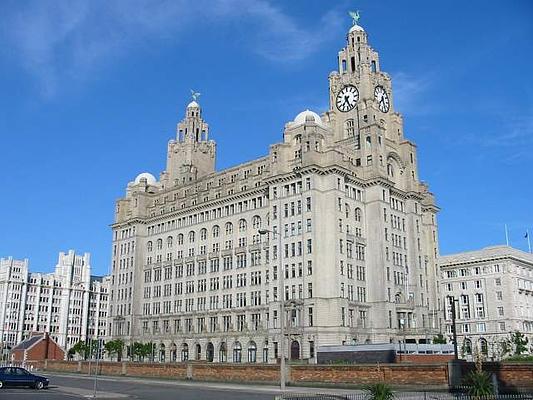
[424, 358]
[235, 372]
[510, 375]
[178, 370]
[422, 374]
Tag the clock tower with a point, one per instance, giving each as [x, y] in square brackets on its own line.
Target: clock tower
[192, 155]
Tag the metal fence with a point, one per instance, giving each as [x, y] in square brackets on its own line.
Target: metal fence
[403, 396]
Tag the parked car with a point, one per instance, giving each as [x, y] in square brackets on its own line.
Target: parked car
[16, 376]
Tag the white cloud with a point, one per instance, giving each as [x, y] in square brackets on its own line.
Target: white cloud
[67, 40]
[410, 93]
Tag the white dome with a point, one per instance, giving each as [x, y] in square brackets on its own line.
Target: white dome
[150, 179]
[356, 28]
[307, 115]
[193, 104]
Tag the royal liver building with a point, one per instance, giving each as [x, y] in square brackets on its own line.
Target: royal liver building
[333, 221]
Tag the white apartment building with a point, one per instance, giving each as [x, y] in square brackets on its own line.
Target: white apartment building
[352, 229]
[493, 292]
[69, 303]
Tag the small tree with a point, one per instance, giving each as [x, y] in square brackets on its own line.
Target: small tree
[149, 350]
[114, 347]
[519, 341]
[81, 348]
[479, 384]
[137, 350]
[439, 339]
[379, 391]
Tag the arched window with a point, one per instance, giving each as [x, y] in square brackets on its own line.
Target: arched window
[159, 244]
[198, 354]
[357, 215]
[467, 347]
[173, 352]
[169, 241]
[180, 238]
[347, 210]
[390, 170]
[349, 128]
[149, 246]
[237, 352]
[184, 352]
[162, 352]
[191, 237]
[242, 225]
[203, 234]
[252, 352]
[223, 353]
[295, 350]
[216, 231]
[483, 346]
[229, 228]
[256, 222]
[209, 352]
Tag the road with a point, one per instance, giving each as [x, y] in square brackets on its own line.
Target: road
[67, 387]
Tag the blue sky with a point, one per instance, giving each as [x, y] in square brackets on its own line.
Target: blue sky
[92, 90]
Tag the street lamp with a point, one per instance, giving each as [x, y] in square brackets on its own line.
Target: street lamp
[282, 304]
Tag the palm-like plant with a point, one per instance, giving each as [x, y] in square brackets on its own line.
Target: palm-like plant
[479, 384]
[379, 391]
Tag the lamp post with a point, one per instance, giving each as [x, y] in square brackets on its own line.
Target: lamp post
[96, 371]
[454, 330]
[282, 304]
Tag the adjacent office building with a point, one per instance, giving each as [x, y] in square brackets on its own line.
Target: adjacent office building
[68, 304]
[493, 293]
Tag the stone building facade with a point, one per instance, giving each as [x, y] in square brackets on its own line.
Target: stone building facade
[68, 304]
[357, 239]
[493, 291]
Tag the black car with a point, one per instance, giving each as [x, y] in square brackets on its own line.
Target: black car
[15, 376]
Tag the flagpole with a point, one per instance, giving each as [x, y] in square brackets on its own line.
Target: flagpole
[528, 240]
[506, 235]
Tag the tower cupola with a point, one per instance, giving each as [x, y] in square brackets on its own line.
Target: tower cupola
[192, 155]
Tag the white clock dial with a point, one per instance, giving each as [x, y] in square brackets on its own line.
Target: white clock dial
[347, 98]
[382, 98]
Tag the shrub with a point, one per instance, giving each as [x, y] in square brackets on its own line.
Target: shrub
[479, 384]
[379, 391]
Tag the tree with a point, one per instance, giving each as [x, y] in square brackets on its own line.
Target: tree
[439, 339]
[149, 350]
[379, 391]
[81, 348]
[519, 341]
[137, 350]
[115, 347]
[142, 350]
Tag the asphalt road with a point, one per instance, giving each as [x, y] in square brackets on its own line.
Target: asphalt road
[64, 387]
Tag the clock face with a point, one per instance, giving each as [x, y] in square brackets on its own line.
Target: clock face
[382, 98]
[347, 98]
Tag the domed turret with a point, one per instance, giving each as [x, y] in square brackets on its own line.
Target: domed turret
[307, 116]
[150, 179]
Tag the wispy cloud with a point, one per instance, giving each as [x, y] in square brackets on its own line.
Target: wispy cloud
[55, 41]
[410, 93]
[511, 138]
